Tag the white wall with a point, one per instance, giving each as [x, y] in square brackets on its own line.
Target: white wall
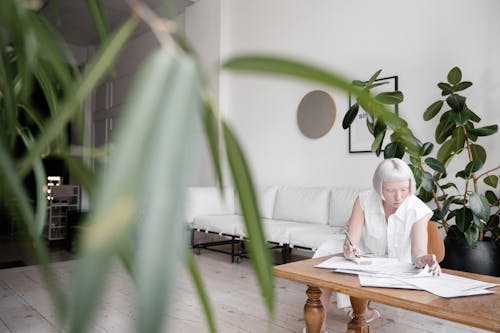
[418, 41]
[202, 29]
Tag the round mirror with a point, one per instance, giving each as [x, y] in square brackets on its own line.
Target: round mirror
[316, 114]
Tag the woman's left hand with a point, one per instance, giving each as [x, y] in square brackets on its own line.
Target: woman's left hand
[430, 260]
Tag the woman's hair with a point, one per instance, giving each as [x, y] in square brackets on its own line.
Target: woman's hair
[392, 170]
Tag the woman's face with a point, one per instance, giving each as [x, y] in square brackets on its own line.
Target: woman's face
[395, 193]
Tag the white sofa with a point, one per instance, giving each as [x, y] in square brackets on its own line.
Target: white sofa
[302, 217]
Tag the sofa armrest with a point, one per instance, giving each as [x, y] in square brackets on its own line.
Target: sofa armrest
[208, 201]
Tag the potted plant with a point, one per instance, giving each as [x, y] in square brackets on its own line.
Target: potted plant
[466, 207]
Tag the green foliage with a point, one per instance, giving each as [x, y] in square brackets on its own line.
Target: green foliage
[377, 122]
[475, 214]
[138, 198]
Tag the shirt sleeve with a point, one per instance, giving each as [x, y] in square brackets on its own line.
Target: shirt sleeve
[420, 209]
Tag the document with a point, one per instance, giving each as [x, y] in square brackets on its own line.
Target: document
[386, 266]
[390, 273]
[444, 286]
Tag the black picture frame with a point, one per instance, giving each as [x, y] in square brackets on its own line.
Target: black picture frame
[360, 138]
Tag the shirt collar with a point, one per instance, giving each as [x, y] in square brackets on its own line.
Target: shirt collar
[400, 211]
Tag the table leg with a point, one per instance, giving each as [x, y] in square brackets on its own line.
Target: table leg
[358, 323]
[313, 310]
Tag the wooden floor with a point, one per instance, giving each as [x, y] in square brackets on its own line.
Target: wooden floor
[238, 307]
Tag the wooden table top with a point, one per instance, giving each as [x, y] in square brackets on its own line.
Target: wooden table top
[481, 311]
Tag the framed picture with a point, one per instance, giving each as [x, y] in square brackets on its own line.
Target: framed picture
[360, 138]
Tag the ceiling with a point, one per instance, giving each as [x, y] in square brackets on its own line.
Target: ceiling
[72, 18]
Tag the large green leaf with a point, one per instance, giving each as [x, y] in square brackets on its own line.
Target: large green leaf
[165, 169]
[448, 185]
[424, 195]
[462, 86]
[479, 206]
[433, 110]
[474, 117]
[456, 102]
[390, 97]
[257, 245]
[280, 66]
[41, 196]
[8, 114]
[373, 77]
[472, 235]
[379, 126]
[458, 139]
[49, 88]
[82, 173]
[454, 75]
[358, 83]
[446, 89]
[50, 45]
[428, 181]
[445, 127]
[417, 173]
[377, 143]
[460, 117]
[350, 116]
[144, 182]
[427, 148]
[435, 165]
[405, 136]
[472, 167]
[446, 152]
[478, 153]
[92, 76]
[394, 149]
[370, 124]
[463, 218]
[491, 197]
[211, 126]
[380, 112]
[200, 288]
[484, 131]
[446, 205]
[373, 85]
[491, 180]
[98, 16]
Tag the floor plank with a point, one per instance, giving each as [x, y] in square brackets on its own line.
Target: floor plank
[233, 292]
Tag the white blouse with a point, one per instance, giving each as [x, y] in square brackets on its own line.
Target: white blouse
[391, 238]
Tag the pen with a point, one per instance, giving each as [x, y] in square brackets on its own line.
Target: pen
[352, 245]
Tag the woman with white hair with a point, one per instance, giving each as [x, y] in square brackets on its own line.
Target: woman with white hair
[386, 221]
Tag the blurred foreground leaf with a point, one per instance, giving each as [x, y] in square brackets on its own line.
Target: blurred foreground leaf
[141, 193]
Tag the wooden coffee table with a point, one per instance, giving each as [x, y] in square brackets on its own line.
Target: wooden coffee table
[478, 311]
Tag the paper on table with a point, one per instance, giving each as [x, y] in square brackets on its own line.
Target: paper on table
[390, 273]
[443, 286]
[387, 266]
[384, 282]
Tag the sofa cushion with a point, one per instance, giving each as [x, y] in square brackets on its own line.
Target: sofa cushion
[312, 236]
[302, 204]
[274, 231]
[208, 201]
[266, 197]
[341, 203]
[221, 224]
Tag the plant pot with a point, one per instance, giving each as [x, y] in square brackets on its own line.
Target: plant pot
[482, 259]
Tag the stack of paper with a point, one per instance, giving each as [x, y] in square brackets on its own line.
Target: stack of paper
[390, 273]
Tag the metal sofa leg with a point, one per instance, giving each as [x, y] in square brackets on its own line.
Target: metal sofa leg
[285, 251]
[232, 249]
[192, 237]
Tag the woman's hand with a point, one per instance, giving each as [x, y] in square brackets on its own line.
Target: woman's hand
[350, 252]
[430, 260]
